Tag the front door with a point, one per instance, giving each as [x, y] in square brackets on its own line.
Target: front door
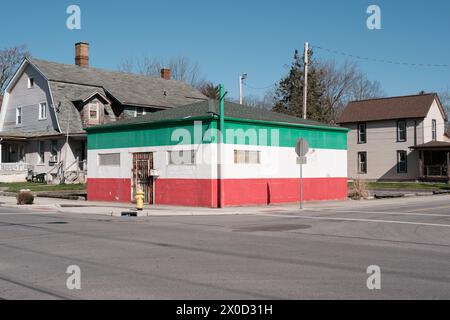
[142, 164]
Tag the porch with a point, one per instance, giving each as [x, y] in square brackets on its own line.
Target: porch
[434, 161]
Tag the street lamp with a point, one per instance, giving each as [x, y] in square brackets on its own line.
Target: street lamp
[242, 77]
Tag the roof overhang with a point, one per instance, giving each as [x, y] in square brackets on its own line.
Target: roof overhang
[433, 146]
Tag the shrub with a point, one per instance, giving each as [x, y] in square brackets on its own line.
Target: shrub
[359, 190]
[25, 198]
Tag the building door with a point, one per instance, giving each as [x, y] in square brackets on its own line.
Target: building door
[142, 164]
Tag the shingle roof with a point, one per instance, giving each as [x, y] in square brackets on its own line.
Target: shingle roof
[23, 135]
[405, 107]
[127, 88]
[210, 108]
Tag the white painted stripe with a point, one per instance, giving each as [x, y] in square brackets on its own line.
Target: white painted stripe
[276, 163]
[390, 213]
[358, 220]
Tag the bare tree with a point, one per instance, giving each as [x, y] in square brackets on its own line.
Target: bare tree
[344, 83]
[210, 90]
[10, 58]
[181, 68]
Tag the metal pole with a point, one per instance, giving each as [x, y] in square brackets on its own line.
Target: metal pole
[301, 185]
[241, 98]
[221, 142]
[242, 77]
[305, 87]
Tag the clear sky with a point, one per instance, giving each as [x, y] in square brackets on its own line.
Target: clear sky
[231, 37]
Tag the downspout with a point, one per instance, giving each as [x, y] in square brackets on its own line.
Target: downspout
[220, 163]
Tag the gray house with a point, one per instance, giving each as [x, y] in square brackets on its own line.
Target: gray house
[397, 139]
[46, 106]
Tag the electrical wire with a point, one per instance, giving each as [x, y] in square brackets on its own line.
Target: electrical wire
[382, 60]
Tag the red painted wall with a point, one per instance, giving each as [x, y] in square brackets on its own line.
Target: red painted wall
[186, 192]
[203, 192]
[112, 190]
[272, 191]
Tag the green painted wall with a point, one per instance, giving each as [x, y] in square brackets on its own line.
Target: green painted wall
[237, 132]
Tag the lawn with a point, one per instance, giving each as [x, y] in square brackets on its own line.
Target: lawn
[405, 186]
[17, 186]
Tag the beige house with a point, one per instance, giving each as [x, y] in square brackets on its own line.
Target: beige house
[397, 139]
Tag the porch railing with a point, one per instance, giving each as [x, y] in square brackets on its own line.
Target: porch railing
[436, 171]
[7, 167]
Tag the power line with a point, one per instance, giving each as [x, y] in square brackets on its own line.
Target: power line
[430, 65]
[260, 88]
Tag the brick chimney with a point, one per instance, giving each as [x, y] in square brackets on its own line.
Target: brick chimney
[82, 54]
[165, 74]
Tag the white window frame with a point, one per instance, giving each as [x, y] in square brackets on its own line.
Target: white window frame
[246, 156]
[144, 112]
[97, 106]
[43, 111]
[30, 82]
[115, 154]
[361, 162]
[399, 163]
[362, 133]
[19, 116]
[434, 129]
[193, 157]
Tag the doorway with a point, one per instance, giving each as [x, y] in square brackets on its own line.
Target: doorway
[142, 164]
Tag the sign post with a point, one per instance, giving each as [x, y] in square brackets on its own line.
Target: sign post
[301, 148]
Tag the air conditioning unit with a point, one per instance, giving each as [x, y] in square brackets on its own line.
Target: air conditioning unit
[53, 159]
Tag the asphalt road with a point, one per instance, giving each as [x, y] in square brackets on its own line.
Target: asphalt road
[315, 254]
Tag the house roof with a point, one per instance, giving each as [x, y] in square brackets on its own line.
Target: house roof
[16, 134]
[129, 89]
[405, 107]
[433, 145]
[210, 108]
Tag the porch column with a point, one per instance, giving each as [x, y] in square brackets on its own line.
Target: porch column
[421, 168]
[448, 166]
[1, 152]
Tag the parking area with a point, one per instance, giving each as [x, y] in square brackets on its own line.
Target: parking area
[275, 253]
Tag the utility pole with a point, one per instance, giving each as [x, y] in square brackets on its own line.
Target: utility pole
[242, 77]
[305, 87]
[221, 137]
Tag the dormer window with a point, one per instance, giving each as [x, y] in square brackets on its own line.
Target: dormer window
[94, 111]
[30, 83]
[139, 111]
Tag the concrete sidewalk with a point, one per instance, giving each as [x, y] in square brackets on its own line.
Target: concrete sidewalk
[117, 209]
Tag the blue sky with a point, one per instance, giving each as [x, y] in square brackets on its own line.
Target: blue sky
[231, 37]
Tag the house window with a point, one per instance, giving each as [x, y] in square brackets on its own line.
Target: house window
[247, 157]
[182, 157]
[434, 129]
[94, 111]
[19, 116]
[401, 131]
[41, 151]
[402, 162]
[109, 159]
[42, 111]
[362, 162]
[362, 133]
[30, 83]
[139, 111]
